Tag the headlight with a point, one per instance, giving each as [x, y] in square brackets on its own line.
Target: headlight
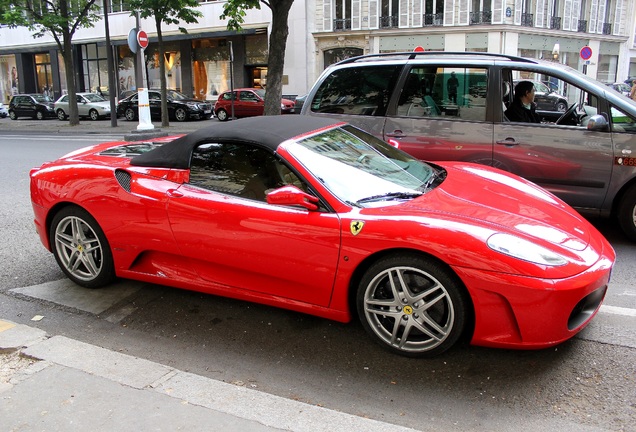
[524, 250]
[193, 105]
[50, 108]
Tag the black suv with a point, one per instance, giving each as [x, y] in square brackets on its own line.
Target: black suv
[37, 106]
[180, 107]
[451, 106]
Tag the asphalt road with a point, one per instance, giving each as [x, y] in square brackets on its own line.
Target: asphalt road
[588, 383]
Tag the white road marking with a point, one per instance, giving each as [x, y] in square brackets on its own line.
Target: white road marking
[615, 310]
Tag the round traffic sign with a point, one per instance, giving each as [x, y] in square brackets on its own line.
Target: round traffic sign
[142, 39]
[586, 53]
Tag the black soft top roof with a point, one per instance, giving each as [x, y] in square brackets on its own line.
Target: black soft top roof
[268, 131]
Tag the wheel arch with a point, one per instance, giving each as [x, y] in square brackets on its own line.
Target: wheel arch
[55, 210]
[365, 264]
[620, 194]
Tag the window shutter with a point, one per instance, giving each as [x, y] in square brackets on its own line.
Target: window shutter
[497, 11]
[327, 21]
[464, 6]
[539, 17]
[518, 6]
[374, 14]
[618, 17]
[416, 17]
[567, 14]
[355, 15]
[403, 14]
[600, 21]
[593, 16]
[449, 12]
[576, 13]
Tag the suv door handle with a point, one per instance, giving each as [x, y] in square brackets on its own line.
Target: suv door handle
[508, 142]
[396, 134]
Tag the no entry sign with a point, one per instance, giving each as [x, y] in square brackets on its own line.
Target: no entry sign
[142, 39]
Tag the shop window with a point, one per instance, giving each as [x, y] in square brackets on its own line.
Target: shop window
[210, 68]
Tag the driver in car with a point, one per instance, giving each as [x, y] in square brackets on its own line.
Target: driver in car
[523, 108]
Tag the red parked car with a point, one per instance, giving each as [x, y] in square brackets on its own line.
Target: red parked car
[320, 217]
[248, 102]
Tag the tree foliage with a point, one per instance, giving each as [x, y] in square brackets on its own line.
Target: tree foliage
[168, 12]
[60, 19]
[235, 11]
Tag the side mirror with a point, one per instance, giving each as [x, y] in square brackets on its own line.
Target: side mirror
[292, 196]
[597, 123]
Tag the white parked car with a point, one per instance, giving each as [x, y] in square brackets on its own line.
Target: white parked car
[89, 105]
[3, 111]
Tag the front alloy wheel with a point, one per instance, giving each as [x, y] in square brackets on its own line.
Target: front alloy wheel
[412, 305]
[93, 114]
[130, 114]
[61, 115]
[180, 114]
[221, 114]
[81, 249]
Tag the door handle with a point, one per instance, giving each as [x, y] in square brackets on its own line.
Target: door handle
[508, 142]
[396, 134]
[174, 193]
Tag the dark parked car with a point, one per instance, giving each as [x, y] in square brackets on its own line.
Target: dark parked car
[546, 98]
[180, 107]
[37, 106]
[248, 102]
[585, 154]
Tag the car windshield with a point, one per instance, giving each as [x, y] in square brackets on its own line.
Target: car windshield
[42, 98]
[175, 95]
[360, 169]
[260, 92]
[93, 97]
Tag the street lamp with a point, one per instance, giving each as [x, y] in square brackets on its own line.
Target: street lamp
[555, 51]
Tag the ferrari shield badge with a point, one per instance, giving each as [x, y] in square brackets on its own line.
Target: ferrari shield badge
[356, 226]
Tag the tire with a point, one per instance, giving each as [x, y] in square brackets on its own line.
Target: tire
[221, 114]
[627, 213]
[13, 115]
[81, 249]
[93, 114]
[429, 303]
[130, 114]
[39, 115]
[61, 115]
[561, 106]
[180, 115]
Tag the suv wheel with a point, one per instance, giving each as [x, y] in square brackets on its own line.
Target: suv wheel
[627, 213]
[13, 115]
[562, 106]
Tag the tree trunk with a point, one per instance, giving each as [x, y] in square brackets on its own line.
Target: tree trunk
[165, 121]
[276, 59]
[69, 65]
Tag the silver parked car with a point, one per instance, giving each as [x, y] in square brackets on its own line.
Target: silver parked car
[450, 106]
[90, 105]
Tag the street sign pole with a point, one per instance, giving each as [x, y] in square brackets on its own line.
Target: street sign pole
[143, 100]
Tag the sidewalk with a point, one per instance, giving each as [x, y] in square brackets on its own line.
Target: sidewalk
[54, 383]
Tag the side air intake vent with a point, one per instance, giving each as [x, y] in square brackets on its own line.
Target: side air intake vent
[123, 178]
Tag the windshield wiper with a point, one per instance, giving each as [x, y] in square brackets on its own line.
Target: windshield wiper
[390, 196]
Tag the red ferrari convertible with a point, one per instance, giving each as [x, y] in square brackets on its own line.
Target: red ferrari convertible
[323, 218]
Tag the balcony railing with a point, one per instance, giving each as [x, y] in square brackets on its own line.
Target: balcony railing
[342, 24]
[527, 19]
[484, 17]
[388, 22]
[582, 26]
[607, 28]
[434, 19]
[555, 23]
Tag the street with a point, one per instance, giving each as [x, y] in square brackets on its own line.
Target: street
[587, 383]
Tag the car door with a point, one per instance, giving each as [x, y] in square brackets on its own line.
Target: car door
[434, 121]
[564, 157]
[154, 99]
[26, 106]
[82, 106]
[224, 226]
[250, 104]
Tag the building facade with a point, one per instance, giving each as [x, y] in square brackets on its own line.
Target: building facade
[552, 29]
[197, 63]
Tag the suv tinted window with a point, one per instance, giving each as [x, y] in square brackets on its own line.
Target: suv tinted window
[359, 90]
[432, 91]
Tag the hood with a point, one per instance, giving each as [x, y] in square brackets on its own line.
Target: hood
[515, 205]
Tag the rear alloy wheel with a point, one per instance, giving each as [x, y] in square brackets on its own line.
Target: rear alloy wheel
[61, 115]
[221, 115]
[180, 114]
[412, 305]
[81, 249]
[13, 115]
[39, 115]
[93, 114]
[130, 114]
[627, 213]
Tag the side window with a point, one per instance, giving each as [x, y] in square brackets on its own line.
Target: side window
[239, 169]
[435, 91]
[154, 96]
[248, 96]
[622, 122]
[555, 101]
[360, 90]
